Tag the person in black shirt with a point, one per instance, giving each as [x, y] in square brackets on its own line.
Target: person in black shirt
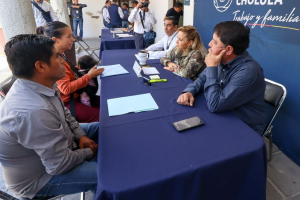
[176, 11]
[77, 17]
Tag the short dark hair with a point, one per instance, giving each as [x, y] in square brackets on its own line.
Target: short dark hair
[134, 2]
[107, 1]
[235, 34]
[178, 5]
[125, 4]
[115, 1]
[22, 51]
[52, 29]
[173, 19]
[86, 62]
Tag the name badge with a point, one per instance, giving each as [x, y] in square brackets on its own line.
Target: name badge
[137, 69]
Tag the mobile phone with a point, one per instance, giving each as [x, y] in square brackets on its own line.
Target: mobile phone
[188, 123]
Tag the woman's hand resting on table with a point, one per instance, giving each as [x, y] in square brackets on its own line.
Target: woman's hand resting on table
[94, 72]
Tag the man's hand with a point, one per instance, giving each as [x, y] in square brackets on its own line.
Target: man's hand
[140, 3]
[85, 142]
[186, 99]
[212, 60]
[171, 66]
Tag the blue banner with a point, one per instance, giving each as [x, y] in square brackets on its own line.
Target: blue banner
[275, 44]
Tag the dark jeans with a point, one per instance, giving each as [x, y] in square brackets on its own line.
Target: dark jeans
[124, 24]
[139, 41]
[107, 25]
[116, 25]
[79, 179]
[76, 22]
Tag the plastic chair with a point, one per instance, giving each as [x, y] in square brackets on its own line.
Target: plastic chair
[6, 86]
[275, 94]
[6, 196]
[86, 47]
[45, 198]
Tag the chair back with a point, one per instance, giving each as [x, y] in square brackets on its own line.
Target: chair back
[6, 86]
[275, 94]
[5, 196]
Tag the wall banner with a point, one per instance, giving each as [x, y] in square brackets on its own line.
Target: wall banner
[274, 43]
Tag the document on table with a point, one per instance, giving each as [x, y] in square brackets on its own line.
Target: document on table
[124, 35]
[116, 30]
[112, 70]
[136, 104]
[99, 86]
[150, 70]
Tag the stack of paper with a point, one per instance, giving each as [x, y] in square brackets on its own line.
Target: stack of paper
[154, 77]
[116, 30]
[150, 70]
[124, 35]
[112, 70]
[136, 103]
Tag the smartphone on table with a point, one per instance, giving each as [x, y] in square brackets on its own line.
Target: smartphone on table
[188, 123]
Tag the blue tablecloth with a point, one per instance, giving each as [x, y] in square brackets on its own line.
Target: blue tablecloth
[141, 155]
[108, 42]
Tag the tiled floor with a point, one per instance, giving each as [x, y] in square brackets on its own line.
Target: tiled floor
[283, 181]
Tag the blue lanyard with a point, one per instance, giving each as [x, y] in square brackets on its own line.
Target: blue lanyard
[168, 45]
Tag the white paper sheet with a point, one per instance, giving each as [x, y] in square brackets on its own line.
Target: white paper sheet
[124, 35]
[116, 31]
[150, 70]
[135, 103]
[112, 70]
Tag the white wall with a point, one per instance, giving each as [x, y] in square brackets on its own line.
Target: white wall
[189, 14]
[91, 25]
[160, 8]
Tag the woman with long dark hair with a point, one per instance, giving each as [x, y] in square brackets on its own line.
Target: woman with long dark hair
[63, 37]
